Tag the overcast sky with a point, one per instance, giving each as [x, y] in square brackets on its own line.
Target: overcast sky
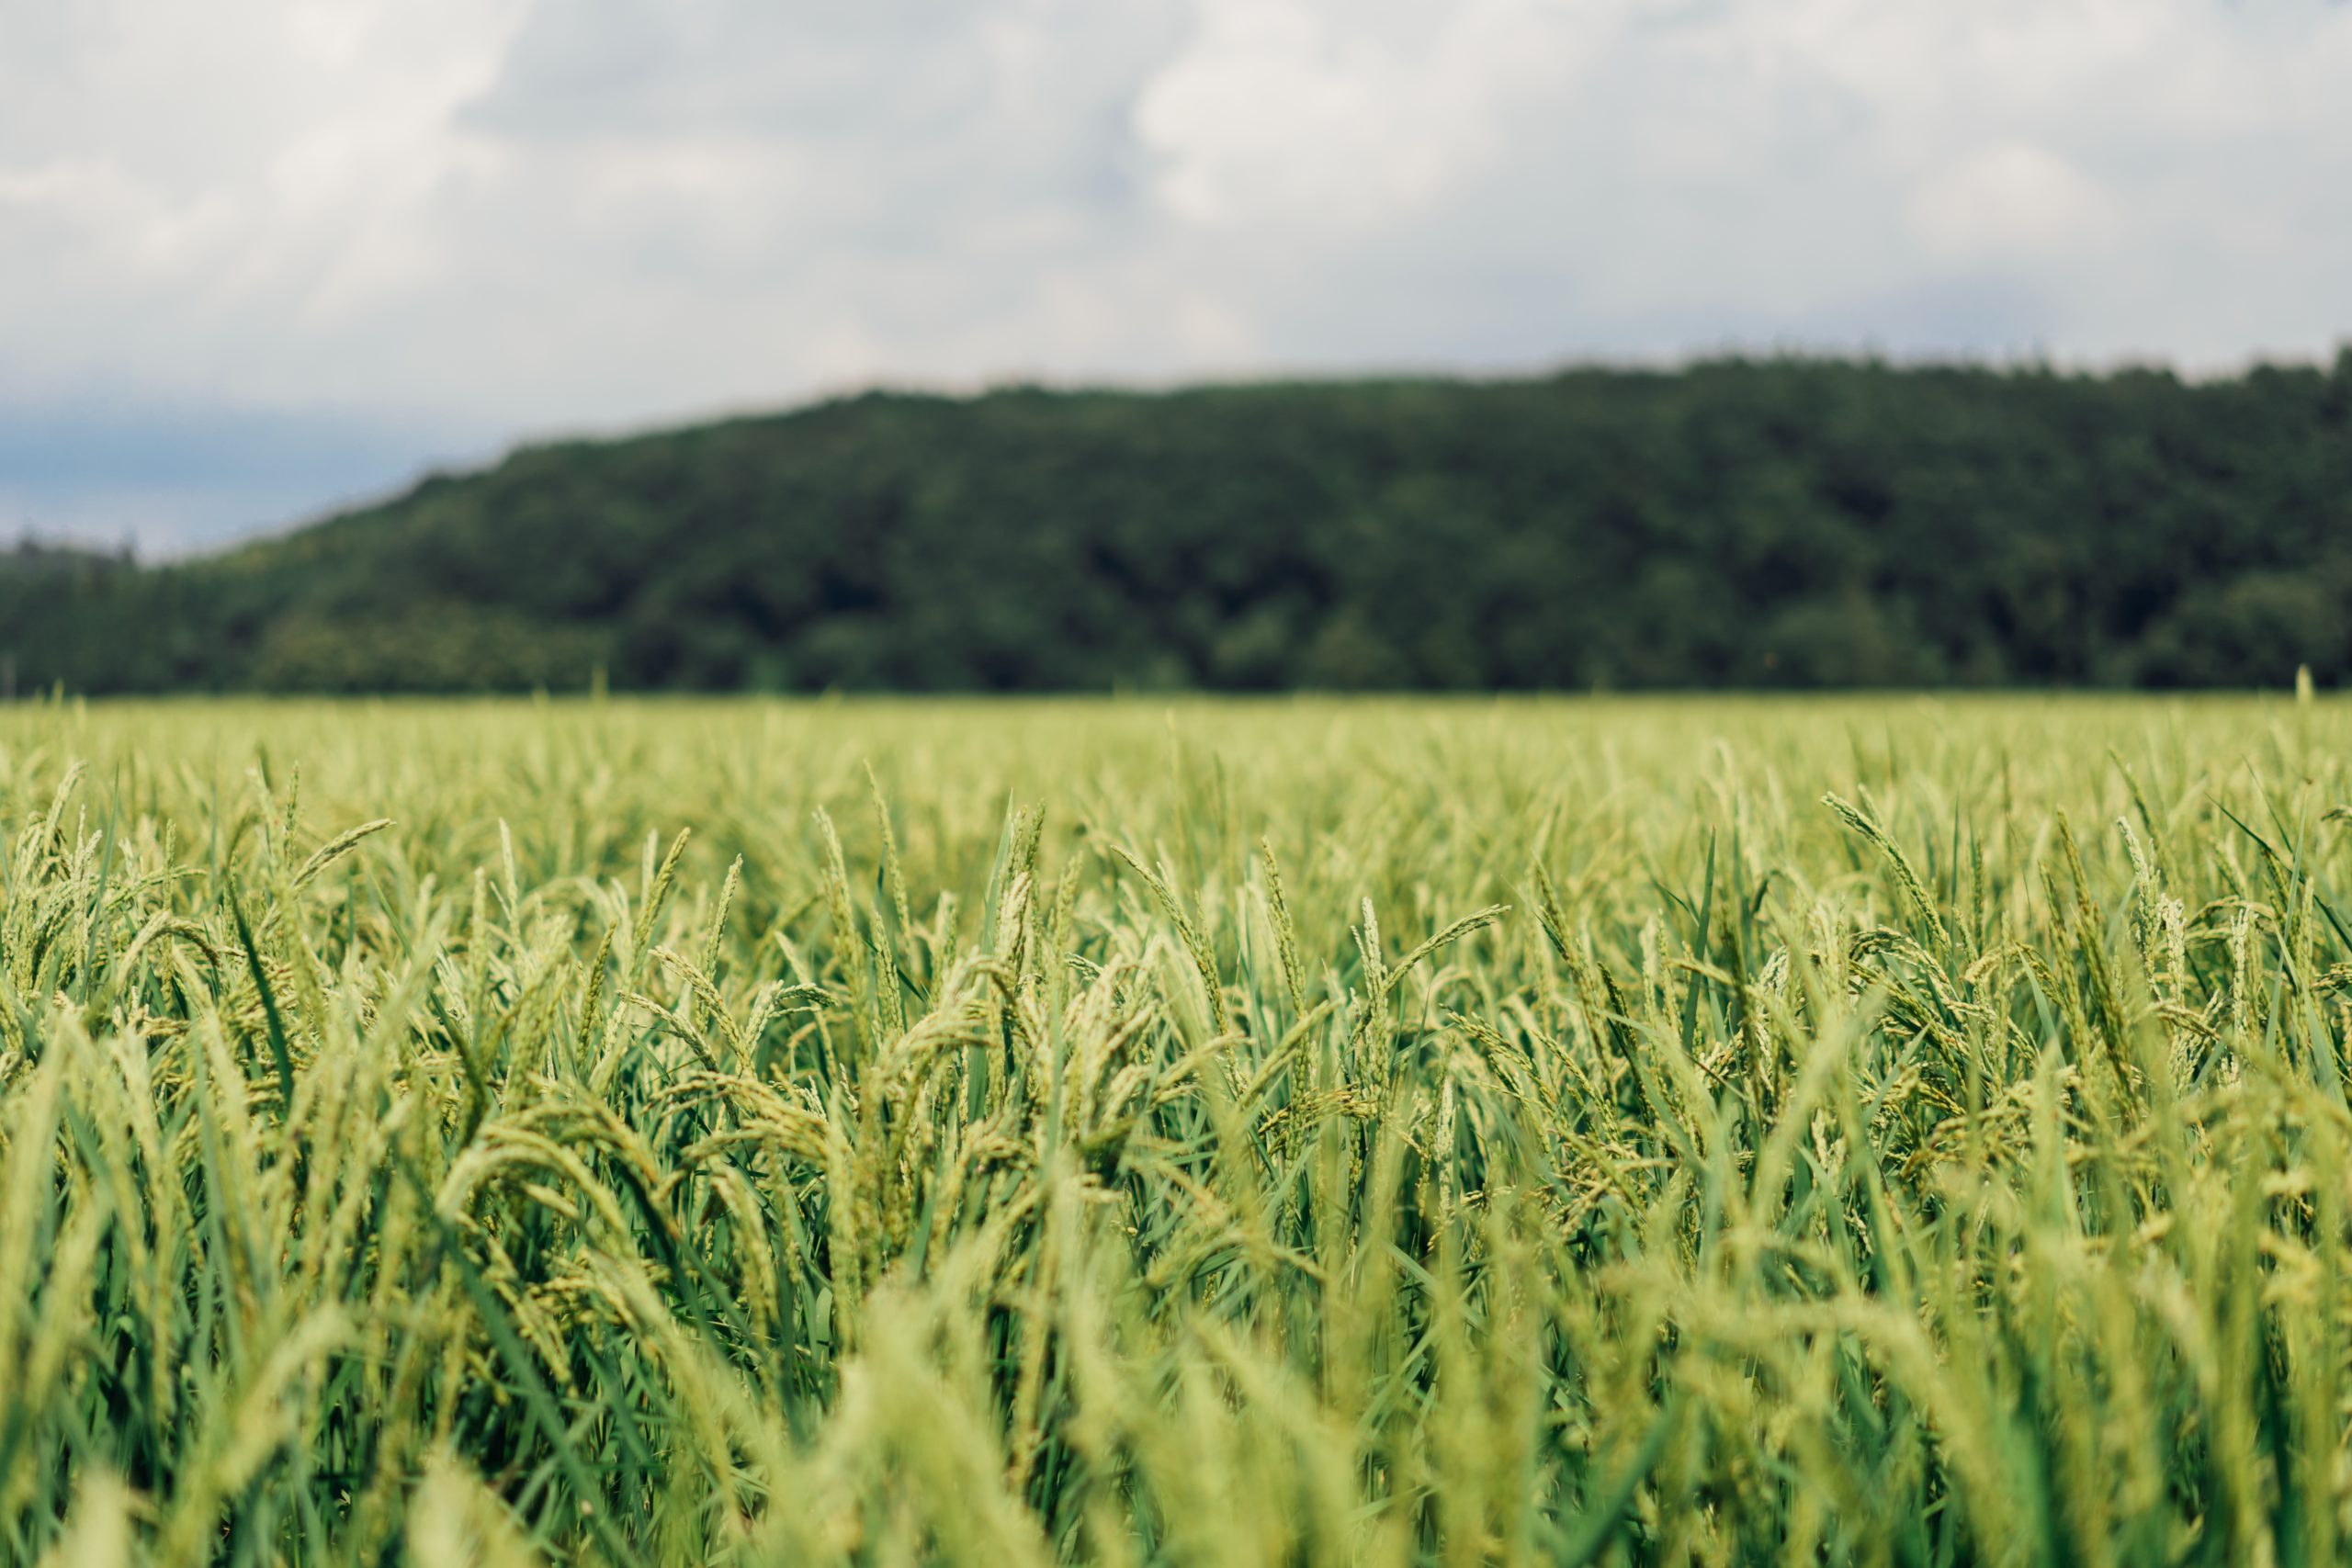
[258, 258]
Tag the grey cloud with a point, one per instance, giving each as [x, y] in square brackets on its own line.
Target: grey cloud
[539, 214]
[920, 108]
[632, 68]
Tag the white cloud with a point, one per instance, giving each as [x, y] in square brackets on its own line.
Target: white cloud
[1282, 111]
[2014, 202]
[513, 215]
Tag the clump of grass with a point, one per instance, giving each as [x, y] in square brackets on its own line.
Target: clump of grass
[1392, 1134]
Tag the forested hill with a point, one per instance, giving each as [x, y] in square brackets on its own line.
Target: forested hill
[1736, 524]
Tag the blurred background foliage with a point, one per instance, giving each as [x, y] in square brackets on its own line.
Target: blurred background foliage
[1736, 524]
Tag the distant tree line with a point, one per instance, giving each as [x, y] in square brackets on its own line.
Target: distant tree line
[1737, 523]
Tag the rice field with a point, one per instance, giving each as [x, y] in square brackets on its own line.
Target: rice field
[1817, 1130]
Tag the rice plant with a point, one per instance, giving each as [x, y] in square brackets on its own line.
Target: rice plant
[1855, 1131]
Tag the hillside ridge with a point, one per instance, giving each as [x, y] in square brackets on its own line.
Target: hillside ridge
[1786, 523]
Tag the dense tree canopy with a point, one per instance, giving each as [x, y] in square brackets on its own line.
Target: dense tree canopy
[1736, 523]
